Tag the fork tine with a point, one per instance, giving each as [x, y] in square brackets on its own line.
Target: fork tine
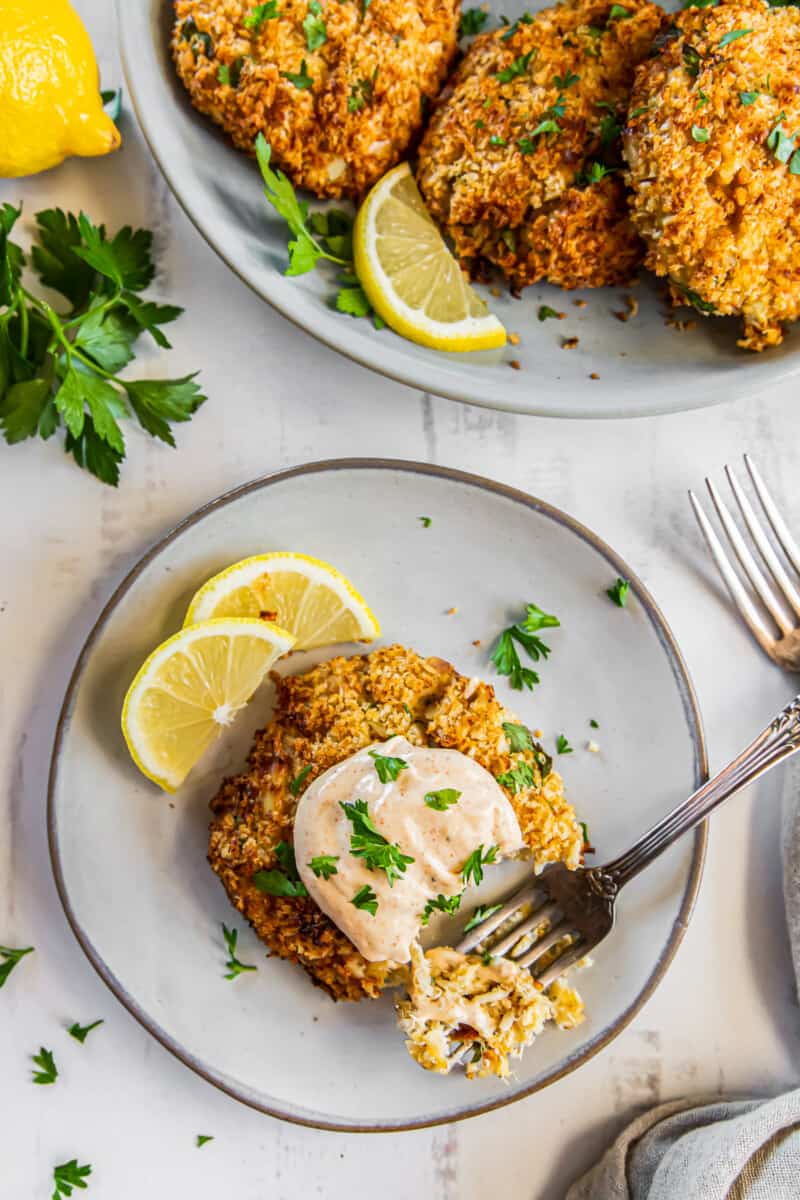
[775, 519]
[760, 538]
[750, 614]
[537, 918]
[545, 943]
[573, 954]
[749, 564]
[526, 894]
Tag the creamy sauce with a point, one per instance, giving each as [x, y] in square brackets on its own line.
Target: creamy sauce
[440, 842]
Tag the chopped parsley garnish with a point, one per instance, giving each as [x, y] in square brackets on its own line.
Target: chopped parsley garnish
[366, 899]
[505, 655]
[783, 147]
[443, 799]
[234, 966]
[562, 82]
[48, 1072]
[546, 312]
[610, 128]
[546, 125]
[361, 92]
[526, 145]
[203, 1139]
[285, 882]
[473, 867]
[748, 98]
[366, 842]
[525, 19]
[496, 140]
[518, 778]
[618, 12]
[619, 592]
[518, 67]
[588, 848]
[703, 306]
[353, 301]
[199, 42]
[81, 1032]
[230, 74]
[426, 522]
[10, 959]
[486, 958]
[261, 13]
[702, 100]
[301, 79]
[299, 780]
[700, 134]
[733, 36]
[481, 914]
[69, 1175]
[637, 112]
[593, 173]
[314, 27]
[700, 3]
[324, 865]
[388, 768]
[472, 22]
[445, 904]
[691, 61]
[562, 745]
[594, 724]
[519, 738]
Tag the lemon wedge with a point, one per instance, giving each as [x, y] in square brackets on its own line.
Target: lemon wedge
[191, 688]
[303, 594]
[410, 277]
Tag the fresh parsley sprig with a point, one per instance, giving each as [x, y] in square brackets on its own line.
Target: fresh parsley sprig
[519, 738]
[366, 899]
[234, 966]
[387, 766]
[48, 1071]
[69, 1175]
[443, 799]
[81, 1032]
[10, 959]
[505, 655]
[481, 914]
[517, 778]
[299, 779]
[472, 22]
[283, 881]
[443, 904]
[62, 369]
[324, 865]
[473, 867]
[618, 594]
[203, 1139]
[367, 843]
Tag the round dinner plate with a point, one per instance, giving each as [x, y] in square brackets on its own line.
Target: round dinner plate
[130, 861]
[644, 366]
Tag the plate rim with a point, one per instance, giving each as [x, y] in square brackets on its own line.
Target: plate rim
[695, 728]
[410, 376]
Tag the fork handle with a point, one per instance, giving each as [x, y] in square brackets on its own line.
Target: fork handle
[778, 741]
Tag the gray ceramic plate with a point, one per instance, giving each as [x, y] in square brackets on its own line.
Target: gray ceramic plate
[644, 367]
[130, 866]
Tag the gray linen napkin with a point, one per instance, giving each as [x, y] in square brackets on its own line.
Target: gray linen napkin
[715, 1149]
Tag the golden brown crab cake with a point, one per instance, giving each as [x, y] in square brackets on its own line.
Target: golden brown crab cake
[337, 89]
[320, 719]
[520, 163]
[713, 161]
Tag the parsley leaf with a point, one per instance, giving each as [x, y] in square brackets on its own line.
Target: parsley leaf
[81, 1032]
[562, 82]
[324, 865]
[301, 79]
[261, 13]
[519, 738]
[229, 74]
[518, 778]
[505, 655]
[48, 1072]
[445, 904]
[443, 799]
[367, 843]
[203, 1139]
[361, 92]
[314, 27]
[733, 36]
[473, 867]
[700, 134]
[619, 592]
[562, 745]
[525, 19]
[781, 145]
[472, 22]
[299, 780]
[69, 1175]
[10, 959]
[594, 724]
[285, 882]
[546, 312]
[497, 140]
[426, 522]
[618, 12]
[388, 768]
[353, 300]
[703, 306]
[593, 172]
[366, 899]
[748, 98]
[234, 966]
[481, 914]
[518, 67]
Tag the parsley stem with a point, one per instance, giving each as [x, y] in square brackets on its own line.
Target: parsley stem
[23, 330]
[89, 362]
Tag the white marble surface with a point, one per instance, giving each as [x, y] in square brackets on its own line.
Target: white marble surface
[725, 1018]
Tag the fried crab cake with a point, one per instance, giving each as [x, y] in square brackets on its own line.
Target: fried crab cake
[710, 148]
[320, 719]
[520, 163]
[337, 89]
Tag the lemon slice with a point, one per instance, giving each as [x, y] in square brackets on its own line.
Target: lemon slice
[410, 277]
[193, 686]
[303, 594]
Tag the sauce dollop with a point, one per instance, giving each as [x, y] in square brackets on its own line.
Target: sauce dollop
[438, 840]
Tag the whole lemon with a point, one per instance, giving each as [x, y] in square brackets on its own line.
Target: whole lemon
[50, 104]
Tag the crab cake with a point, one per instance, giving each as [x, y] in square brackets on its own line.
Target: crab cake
[324, 717]
[338, 89]
[713, 165]
[520, 163]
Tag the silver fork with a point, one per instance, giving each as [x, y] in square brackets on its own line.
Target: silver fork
[566, 914]
[780, 598]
